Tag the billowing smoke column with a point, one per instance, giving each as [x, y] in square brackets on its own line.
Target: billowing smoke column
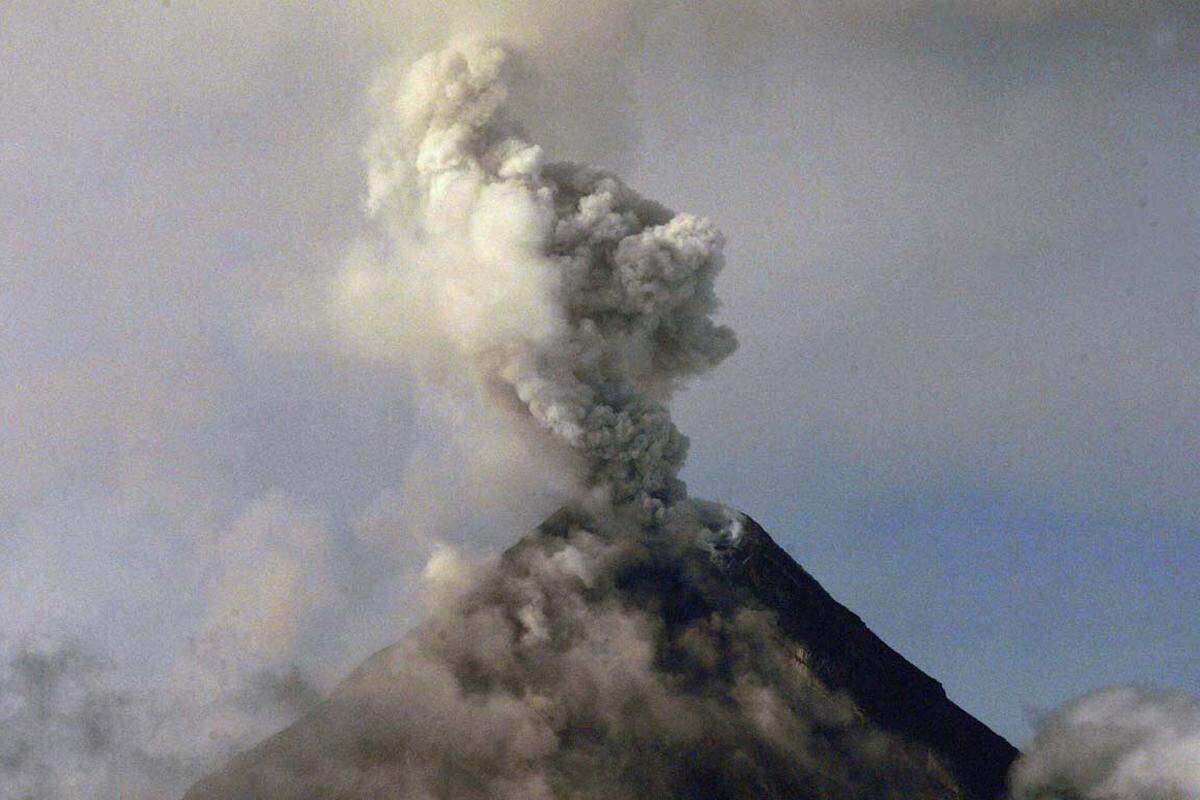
[606, 656]
[563, 294]
[578, 665]
[582, 665]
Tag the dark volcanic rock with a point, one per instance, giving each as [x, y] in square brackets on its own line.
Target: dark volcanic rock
[928, 748]
[889, 689]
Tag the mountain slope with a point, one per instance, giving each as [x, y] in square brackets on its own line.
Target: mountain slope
[702, 664]
[890, 690]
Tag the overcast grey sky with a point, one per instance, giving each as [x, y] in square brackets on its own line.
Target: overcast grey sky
[964, 267]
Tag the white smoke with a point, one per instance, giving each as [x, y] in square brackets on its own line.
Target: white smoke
[551, 289]
[1119, 743]
[565, 670]
[569, 304]
[101, 731]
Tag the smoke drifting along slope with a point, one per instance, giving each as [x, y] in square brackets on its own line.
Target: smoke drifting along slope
[551, 287]
[593, 662]
[126, 408]
[609, 658]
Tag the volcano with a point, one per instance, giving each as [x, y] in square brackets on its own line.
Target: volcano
[751, 682]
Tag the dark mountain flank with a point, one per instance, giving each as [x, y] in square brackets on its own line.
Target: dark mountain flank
[703, 663]
[847, 656]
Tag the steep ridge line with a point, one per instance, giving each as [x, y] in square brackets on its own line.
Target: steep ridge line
[684, 585]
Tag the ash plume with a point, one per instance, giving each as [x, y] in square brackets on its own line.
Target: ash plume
[607, 660]
[551, 288]
[606, 656]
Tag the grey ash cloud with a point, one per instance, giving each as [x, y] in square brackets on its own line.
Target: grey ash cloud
[185, 455]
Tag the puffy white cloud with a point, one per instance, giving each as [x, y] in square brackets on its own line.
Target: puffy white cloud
[1118, 743]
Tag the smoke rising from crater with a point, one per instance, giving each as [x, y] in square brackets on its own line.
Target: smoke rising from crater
[117, 415]
[552, 289]
[592, 660]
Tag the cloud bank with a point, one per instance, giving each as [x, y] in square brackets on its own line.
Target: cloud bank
[1119, 743]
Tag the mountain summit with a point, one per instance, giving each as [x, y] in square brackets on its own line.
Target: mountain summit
[703, 662]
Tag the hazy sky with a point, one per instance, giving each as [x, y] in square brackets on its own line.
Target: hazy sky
[963, 264]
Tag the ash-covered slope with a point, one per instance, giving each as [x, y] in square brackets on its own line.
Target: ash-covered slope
[705, 663]
[656, 647]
